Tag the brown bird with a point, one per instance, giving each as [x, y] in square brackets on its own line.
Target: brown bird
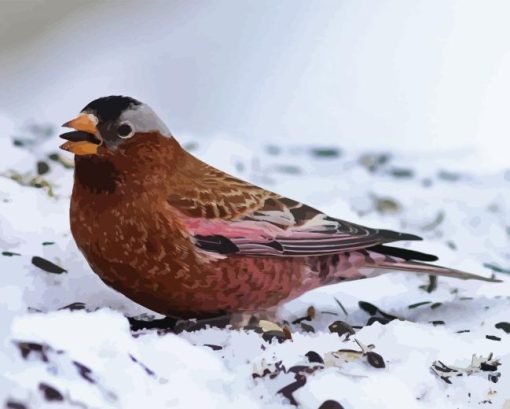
[188, 240]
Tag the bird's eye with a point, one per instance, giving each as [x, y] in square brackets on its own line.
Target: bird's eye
[125, 130]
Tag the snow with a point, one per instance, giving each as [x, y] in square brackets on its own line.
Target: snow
[462, 214]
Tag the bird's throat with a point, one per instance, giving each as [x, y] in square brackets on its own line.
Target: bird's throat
[96, 174]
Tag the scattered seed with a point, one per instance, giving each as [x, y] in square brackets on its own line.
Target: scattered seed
[74, 306]
[18, 142]
[288, 390]
[451, 245]
[191, 146]
[266, 370]
[505, 326]
[47, 265]
[48, 243]
[163, 323]
[26, 348]
[65, 162]
[436, 323]
[307, 328]
[436, 305]
[373, 161]
[342, 355]
[380, 320]
[434, 223]
[386, 205]
[488, 366]
[448, 176]
[478, 364]
[496, 268]
[148, 371]
[84, 371]
[266, 326]
[326, 152]
[298, 368]
[300, 319]
[288, 169]
[330, 404]
[10, 404]
[341, 306]
[310, 315]
[287, 333]
[42, 167]
[314, 357]
[341, 328]
[50, 393]
[494, 378]
[10, 254]
[401, 172]
[493, 338]
[418, 304]
[463, 331]
[367, 307]
[375, 360]
[373, 310]
[213, 347]
[270, 335]
[329, 313]
[196, 325]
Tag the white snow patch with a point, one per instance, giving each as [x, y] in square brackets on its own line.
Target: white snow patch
[464, 217]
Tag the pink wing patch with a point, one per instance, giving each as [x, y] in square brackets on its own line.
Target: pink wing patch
[264, 238]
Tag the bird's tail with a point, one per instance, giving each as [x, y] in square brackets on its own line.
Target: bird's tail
[396, 258]
[431, 269]
[380, 259]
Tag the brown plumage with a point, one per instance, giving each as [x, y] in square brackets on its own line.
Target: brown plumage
[185, 239]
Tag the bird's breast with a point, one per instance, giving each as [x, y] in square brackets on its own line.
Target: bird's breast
[135, 231]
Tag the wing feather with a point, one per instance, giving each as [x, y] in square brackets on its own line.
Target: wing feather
[230, 216]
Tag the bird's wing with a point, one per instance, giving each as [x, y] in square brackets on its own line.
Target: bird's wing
[229, 216]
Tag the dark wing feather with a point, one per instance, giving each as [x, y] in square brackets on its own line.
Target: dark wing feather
[230, 216]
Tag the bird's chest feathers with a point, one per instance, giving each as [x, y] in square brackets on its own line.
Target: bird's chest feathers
[120, 227]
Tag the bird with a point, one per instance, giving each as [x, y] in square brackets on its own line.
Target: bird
[187, 240]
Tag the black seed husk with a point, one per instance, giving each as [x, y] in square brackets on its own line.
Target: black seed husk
[341, 328]
[47, 265]
[331, 404]
[375, 360]
[505, 326]
[314, 357]
[493, 338]
[50, 393]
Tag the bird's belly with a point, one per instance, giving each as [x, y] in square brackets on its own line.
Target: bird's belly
[155, 264]
[224, 286]
[247, 284]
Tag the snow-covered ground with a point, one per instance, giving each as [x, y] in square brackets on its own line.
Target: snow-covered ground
[65, 337]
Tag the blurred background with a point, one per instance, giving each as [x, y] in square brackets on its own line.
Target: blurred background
[403, 75]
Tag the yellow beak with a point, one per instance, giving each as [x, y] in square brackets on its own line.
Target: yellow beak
[83, 141]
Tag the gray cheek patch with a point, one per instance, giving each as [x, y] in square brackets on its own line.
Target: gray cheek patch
[144, 119]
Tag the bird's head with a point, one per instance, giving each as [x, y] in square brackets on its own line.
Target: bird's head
[107, 123]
